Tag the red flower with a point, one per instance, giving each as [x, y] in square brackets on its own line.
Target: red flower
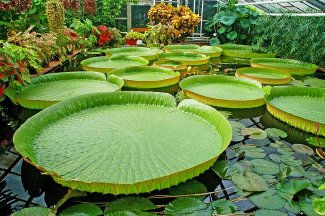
[2, 90]
[102, 28]
[2, 76]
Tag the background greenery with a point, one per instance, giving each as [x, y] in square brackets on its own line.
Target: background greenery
[300, 38]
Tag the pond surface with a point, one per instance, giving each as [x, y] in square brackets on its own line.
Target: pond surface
[22, 185]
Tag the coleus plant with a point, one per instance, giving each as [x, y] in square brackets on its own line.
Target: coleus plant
[104, 35]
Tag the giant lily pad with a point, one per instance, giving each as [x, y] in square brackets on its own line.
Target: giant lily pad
[300, 107]
[285, 65]
[192, 59]
[170, 64]
[147, 77]
[148, 53]
[123, 142]
[105, 64]
[264, 75]
[224, 91]
[210, 51]
[46, 90]
[242, 51]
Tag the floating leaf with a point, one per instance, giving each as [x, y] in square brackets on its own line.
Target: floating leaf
[130, 204]
[270, 179]
[292, 207]
[223, 207]
[83, 209]
[268, 200]
[220, 168]
[284, 171]
[319, 205]
[37, 211]
[237, 137]
[316, 141]
[297, 171]
[237, 125]
[188, 187]
[265, 212]
[264, 167]
[249, 181]
[185, 206]
[315, 82]
[307, 208]
[289, 188]
[275, 133]
[251, 151]
[292, 162]
[302, 149]
[275, 157]
[254, 133]
[121, 213]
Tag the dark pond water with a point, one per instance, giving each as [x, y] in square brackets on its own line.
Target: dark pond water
[22, 185]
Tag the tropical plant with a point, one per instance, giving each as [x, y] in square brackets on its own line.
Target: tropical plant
[134, 35]
[89, 7]
[180, 19]
[87, 33]
[159, 35]
[283, 35]
[233, 23]
[14, 65]
[55, 15]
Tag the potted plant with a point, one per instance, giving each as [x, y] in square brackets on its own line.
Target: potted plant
[132, 37]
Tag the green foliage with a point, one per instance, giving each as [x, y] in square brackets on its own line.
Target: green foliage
[283, 35]
[275, 133]
[265, 212]
[268, 200]
[188, 187]
[86, 32]
[254, 133]
[134, 35]
[319, 205]
[289, 188]
[37, 211]
[223, 207]
[84, 209]
[55, 15]
[131, 204]
[186, 206]
[261, 166]
[251, 151]
[233, 23]
[249, 181]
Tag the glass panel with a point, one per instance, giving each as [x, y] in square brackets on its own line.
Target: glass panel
[139, 16]
[123, 12]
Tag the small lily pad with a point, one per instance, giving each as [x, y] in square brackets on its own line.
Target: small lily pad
[188, 187]
[131, 204]
[249, 181]
[264, 167]
[302, 149]
[220, 168]
[275, 157]
[289, 188]
[267, 200]
[275, 133]
[185, 206]
[266, 212]
[292, 207]
[223, 207]
[84, 209]
[254, 133]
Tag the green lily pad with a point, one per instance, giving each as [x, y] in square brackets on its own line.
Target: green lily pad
[254, 133]
[293, 207]
[299, 106]
[302, 149]
[275, 133]
[267, 200]
[185, 206]
[266, 212]
[220, 168]
[188, 187]
[81, 141]
[191, 59]
[249, 181]
[289, 188]
[148, 53]
[84, 209]
[264, 167]
[285, 65]
[315, 82]
[223, 207]
[132, 204]
[46, 90]
[39, 211]
[105, 64]
[144, 77]
[223, 91]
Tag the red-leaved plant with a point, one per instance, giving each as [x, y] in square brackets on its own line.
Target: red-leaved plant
[104, 35]
[90, 7]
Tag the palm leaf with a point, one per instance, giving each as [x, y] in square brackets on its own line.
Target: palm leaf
[46, 90]
[224, 91]
[264, 75]
[123, 142]
[142, 77]
[285, 65]
[105, 64]
[300, 107]
[148, 53]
